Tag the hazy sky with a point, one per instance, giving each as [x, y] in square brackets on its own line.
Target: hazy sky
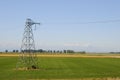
[61, 24]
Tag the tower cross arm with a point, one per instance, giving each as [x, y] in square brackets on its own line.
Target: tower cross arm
[29, 22]
[36, 23]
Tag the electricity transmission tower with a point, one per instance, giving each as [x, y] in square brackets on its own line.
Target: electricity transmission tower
[28, 58]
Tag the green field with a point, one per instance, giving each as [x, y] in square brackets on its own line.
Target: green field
[61, 68]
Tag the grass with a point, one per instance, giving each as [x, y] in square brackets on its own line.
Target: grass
[61, 68]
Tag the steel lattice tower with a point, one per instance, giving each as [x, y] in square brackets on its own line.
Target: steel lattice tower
[28, 58]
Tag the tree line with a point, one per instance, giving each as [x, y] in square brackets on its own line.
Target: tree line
[46, 51]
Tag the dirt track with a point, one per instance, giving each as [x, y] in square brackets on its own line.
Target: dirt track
[65, 55]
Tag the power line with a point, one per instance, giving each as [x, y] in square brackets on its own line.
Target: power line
[107, 21]
[90, 22]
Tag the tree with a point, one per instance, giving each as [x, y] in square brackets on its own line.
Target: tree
[54, 51]
[58, 51]
[13, 50]
[40, 50]
[65, 51]
[70, 51]
[50, 51]
[17, 51]
[6, 51]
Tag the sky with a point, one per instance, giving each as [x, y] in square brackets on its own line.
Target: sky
[80, 25]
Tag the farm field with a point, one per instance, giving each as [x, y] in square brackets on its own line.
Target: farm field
[63, 68]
